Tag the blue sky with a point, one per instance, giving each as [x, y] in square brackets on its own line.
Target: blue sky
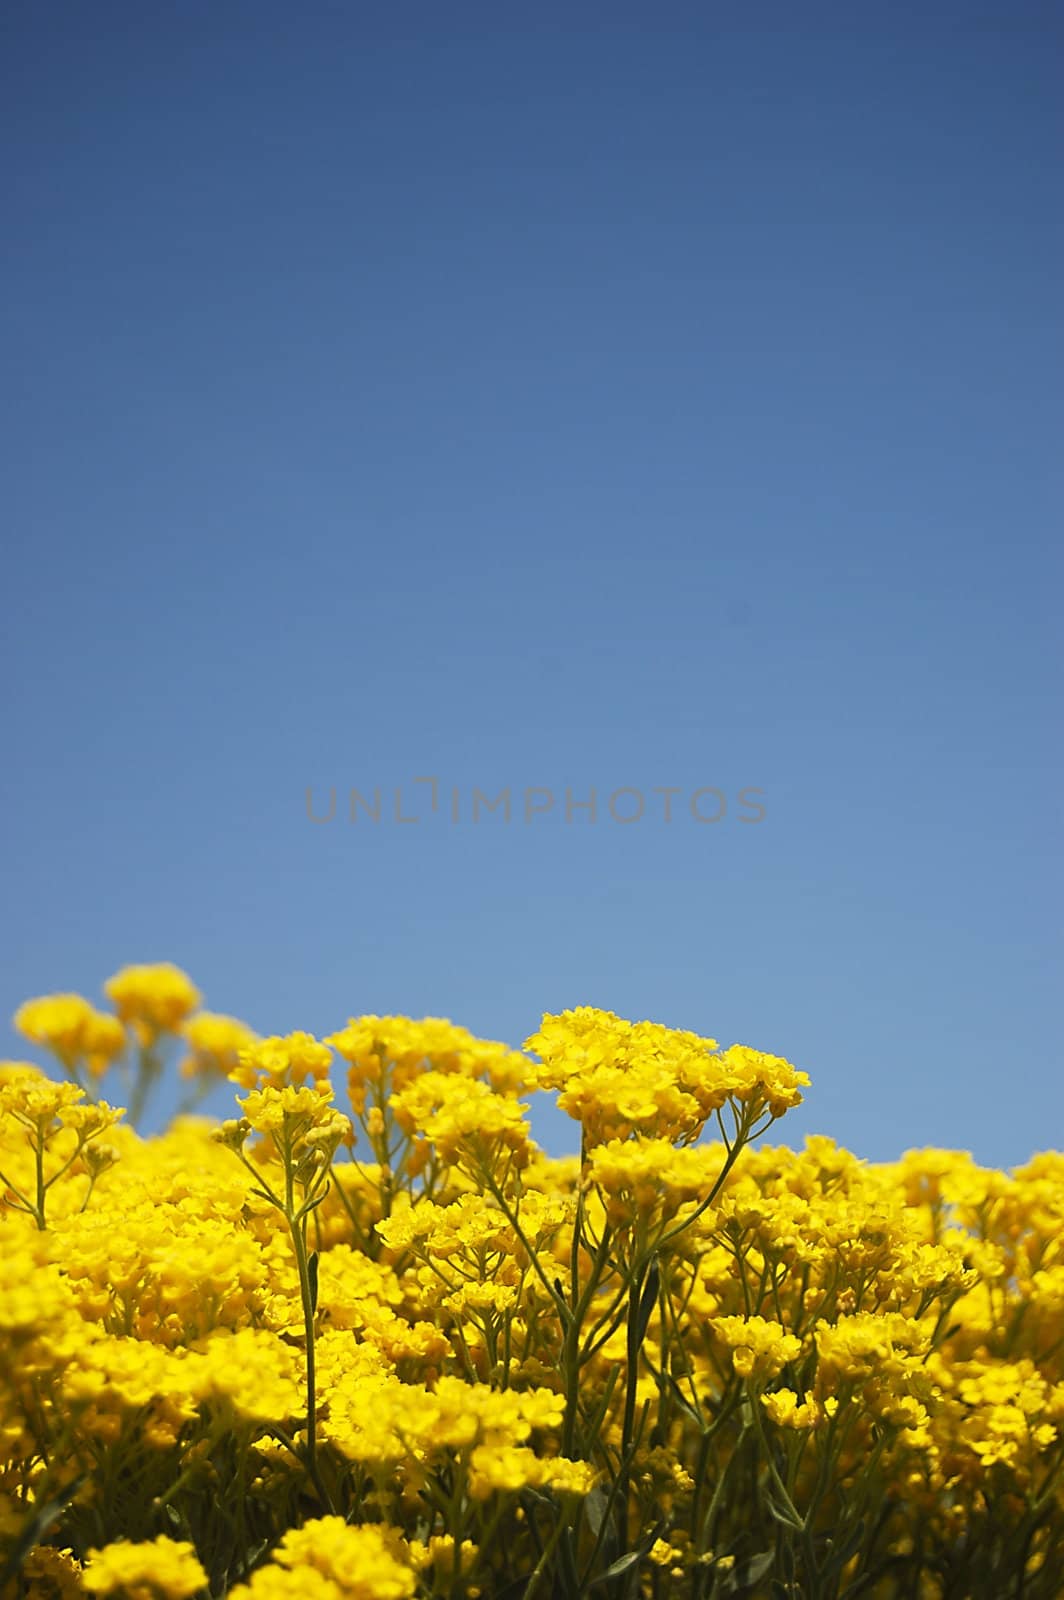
[553, 397]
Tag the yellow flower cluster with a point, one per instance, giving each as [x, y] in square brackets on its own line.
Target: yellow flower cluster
[158, 1569]
[389, 1052]
[390, 1350]
[465, 1121]
[57, 1134]
[154, 999]
[328, 1559]
[73, 1028]
[282, 1062]
[155, 1007]
[215, 1045]
[618, 1078]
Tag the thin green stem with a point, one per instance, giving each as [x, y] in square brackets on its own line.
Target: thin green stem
[38, 1153]
[25, 1204]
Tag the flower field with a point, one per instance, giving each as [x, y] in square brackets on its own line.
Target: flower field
[366, 1341]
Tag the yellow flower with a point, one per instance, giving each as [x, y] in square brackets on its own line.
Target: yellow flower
[153, 999]
[568, 1477]
[51, 1574]
[649, 1179]
[389, 1052]
[439, 1552]
[503, 1467]
[44, 1108]
[465, 1335]
[783, 1409]
[759, 1348]
[757, 1079]
[664, 1554]
[867, 1345]
[38, 1102]
[282, 1060]
[215, 1043]
[465, 1119]
[73, 1029]
[617, 1078]
[158, 1569]
[331, 1557]
[295, 1111]
[251, 1374]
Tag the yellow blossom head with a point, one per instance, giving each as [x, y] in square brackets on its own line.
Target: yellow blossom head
[157, 1569]
[619, 1078]
[390, 1052]
[74, 1030]
[465, 1120]
[153, 999]
[214, 1045]
[290, 1059]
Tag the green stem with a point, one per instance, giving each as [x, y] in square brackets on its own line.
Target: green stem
[573, 1358]
[541, 1565]
[345, 1201]
[299, 1243]
[38, 1151]
[148, 1069]
[534, 1261]
[25, 1204]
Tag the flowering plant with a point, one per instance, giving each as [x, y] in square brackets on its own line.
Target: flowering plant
[396, 1352]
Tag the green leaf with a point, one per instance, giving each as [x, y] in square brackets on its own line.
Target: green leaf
[781, 1512]
[746, 1573]
[647, 1301]
[312, 1270]
[621, 1565]
[35, 1530]
[626, 1562]
[595, 1507]
[567, 1562]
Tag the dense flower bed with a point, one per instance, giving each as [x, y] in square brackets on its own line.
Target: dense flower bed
[367, 1341]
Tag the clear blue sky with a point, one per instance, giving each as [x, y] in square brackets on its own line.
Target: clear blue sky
[552, 396]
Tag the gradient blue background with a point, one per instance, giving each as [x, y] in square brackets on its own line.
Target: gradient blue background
[551, 396]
